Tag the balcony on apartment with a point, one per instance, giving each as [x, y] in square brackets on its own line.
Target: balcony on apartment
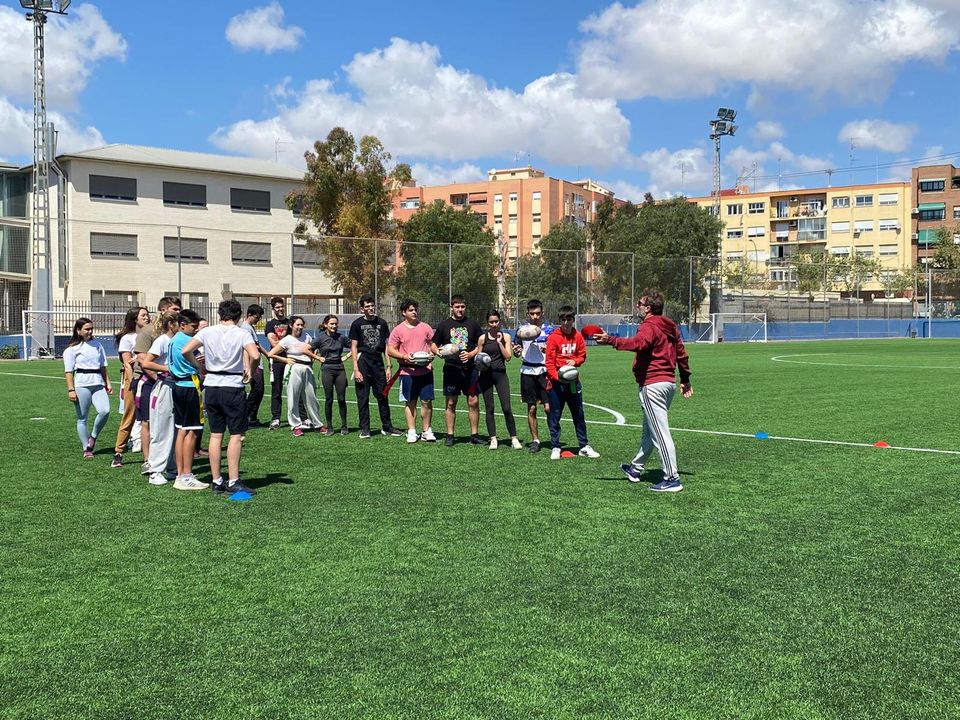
[799, 206]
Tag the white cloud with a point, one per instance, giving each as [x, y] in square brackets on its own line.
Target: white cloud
[687, 171]
[694, 48]
[421, 108]
[427, 174]
[16, 131]
[625, 190]
[767, 130]
[878, 134]
[74, 44]
[263, 29]
[934, 151]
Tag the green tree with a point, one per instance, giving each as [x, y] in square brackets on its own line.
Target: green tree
[854, 270]
[551, 275]
[814, 272]
[347, 194]
[454, 240]
[947, 254]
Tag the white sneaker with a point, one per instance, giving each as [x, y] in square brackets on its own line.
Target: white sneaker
[428, 435]
[189, 482]
[587, 451]
[158, 479]
[411, 436]
[555, 454]
[136, 447]
[516, 444]
[145, 468]
[493, 443]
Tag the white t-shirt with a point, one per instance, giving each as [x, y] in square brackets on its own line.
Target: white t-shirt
[295, 347]
[533, 354]
[85, 356]
[126, 343]
[223, 347]
[159, 349]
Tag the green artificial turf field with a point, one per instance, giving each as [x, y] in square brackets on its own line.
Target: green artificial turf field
[374, 579]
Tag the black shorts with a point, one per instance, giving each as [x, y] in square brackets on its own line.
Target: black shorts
[533, 389]
[226, 409]
[459, 380]
[186, 408]
[144, 389]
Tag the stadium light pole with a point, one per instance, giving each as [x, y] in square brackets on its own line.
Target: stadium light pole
[42, 277]
[720, 126]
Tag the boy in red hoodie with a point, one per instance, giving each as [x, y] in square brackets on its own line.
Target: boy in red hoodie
[659, 355]
[565, 346]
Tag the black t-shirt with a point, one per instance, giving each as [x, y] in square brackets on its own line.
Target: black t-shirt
[371, 336]
[277, 326]
[331, 348]
[492, 348]
[463, 333]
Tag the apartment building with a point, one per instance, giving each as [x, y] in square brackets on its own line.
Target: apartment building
[15, 261]
[521, 204]
[142, 222]
[771, 227]
[936, 192]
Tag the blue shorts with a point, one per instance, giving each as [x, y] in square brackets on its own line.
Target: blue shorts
[416, 387]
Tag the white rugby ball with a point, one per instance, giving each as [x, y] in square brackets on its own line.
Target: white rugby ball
[448, 350]
[421, 358]
[482, 360]
[528, 332]
[568, 373]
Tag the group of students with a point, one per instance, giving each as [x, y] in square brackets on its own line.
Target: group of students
[175, 372]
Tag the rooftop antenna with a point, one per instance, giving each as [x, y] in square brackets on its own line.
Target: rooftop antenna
[276, 148]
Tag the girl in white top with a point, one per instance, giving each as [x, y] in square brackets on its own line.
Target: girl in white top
[85, 368]
[137, 318]
[301, 382]
[163, 461]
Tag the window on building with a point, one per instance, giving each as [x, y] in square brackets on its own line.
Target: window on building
[410, 204]
[250, 200]
[198, 300]
[888, 250]
[933, 213]
[735, 209]
[841, 201]
[811, 229]
[536, 195]
[536, 217]
[305, 257]
[478, 199]
[932, 185]
[482, 216]
[865, 250]
[840, 227]
[184, 194]
[113, 245]
[107, 187]
[956, 212]
[112, 300]
[497, 199]
[756, 208]
[889, 224]
[861, 226]
[458, 199]
[249, 253]
[889, 199]
[734, 234]
[840, 250]
[513, 197]
[757, 231]
[735, 255]
[191, 249]
[927, 237]
[864, 200]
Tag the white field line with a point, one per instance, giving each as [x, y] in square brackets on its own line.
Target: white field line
[788, 359]
[621, 422]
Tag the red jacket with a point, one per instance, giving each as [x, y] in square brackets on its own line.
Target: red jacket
[660, 351]
[561, 348]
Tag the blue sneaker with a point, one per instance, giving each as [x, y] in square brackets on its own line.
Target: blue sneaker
[633, 475]
[671, 485]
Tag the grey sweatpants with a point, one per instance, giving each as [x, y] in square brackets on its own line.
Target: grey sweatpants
[301, 382]
[655, 401]
[163, 435]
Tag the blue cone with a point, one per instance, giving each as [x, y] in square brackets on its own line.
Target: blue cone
[237, 496]
[761, 436]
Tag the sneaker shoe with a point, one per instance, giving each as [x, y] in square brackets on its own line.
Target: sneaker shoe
[476, 440]
[145, 468]
[306, 425]
[534, 446]
[238, 486]
[493, 443]
[587, 451]
[633, 474]
[328, 432]
[364, 434]
[395, 432]
[117, 461]
[555, 454]
[324, 430]
[136, 447]
[87, 454]
[91, 442]
[448, 441]
[344, 431]
[429, 436]
[218, 487]
[298, 432]
[189, 482]
[274, 424]
[158, 479]
[412, 436]
[671, 485]
[516, 444]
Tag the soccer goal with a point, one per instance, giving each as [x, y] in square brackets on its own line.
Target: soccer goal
[733, 327]
[46, 333]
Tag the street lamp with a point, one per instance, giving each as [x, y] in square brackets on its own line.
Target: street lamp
[722, 125]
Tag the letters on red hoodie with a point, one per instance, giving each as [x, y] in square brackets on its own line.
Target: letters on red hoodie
[659, 351]
[561, 348]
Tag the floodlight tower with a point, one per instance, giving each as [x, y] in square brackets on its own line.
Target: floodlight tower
[42, 280]
[722, 125]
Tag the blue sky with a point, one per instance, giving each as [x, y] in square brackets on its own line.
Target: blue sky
[619, 93]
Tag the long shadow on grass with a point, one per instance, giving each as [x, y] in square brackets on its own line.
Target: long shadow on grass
[649, 477]
[271, 479]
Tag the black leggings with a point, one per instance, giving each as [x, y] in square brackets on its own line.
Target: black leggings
[334, 378]
[488, 381]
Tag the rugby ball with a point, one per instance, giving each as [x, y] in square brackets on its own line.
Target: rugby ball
[528, 332]
[568, 373]
[448, 351]
[482, 360]
[421, 358]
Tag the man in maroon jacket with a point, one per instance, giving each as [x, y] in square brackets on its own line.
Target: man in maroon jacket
[659, 355]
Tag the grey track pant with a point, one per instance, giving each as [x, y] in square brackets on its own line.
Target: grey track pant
[163, 434]
[302, 383]
[655, 400]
